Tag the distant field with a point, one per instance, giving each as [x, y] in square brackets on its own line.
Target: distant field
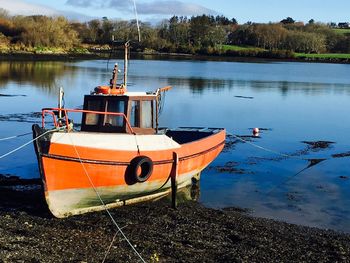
[239, 48]
[323, 56]
[342, 31]
[297, 55]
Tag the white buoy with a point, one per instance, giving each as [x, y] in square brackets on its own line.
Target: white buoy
[256, 131]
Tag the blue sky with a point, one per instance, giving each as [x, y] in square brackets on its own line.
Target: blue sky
[156, 10]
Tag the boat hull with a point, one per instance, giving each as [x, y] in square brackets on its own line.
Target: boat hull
[84, 172]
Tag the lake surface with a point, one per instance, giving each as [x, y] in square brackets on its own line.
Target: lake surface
[294, 104]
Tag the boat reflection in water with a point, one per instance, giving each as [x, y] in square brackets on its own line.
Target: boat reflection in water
[188, 193]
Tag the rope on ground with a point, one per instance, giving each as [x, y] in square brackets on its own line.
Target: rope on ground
[109, 247]
[27, 143]
[15, 136]
[103, 203]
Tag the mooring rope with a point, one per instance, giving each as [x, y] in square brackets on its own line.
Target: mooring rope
[109, 247]
[267, 149]
[31, 141]
[312, 162]
[15, 136]
[293, 175]
[103, 203]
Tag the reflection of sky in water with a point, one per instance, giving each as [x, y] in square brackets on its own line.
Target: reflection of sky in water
[297, 101]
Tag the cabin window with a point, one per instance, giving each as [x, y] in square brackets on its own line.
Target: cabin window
[146, 118]
[92, 118]
[135, 113]
[114, 120]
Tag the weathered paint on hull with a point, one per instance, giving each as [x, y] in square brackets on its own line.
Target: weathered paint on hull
[64, 203]
[74, 177]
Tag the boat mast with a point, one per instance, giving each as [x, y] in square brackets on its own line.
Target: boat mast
[126, 54]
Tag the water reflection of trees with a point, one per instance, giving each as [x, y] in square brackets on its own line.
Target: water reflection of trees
[307, 88]
[198, 85]
[42, 74]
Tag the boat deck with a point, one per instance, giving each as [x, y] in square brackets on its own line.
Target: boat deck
[184, 135]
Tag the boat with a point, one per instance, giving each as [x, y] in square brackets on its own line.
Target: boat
[118, 155]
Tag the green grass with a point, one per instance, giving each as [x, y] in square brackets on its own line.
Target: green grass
[342, 31]
[323, 56]
[297, 55]
[239, 48]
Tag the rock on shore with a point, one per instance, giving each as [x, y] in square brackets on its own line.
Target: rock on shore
[192, 233]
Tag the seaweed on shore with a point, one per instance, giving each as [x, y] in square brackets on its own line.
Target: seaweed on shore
[191, 233]
[32, 117]
[318, 145]
[341, 155]
[231, 167]
[13, 180]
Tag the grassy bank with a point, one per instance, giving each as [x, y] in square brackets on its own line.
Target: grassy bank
[240, 48]
[331, 57]
[328, 56]
[342, 31]
[221, 51]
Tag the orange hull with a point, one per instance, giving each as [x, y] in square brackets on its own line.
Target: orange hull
[78, 175]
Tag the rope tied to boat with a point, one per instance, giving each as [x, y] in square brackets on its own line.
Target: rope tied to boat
[104, 205]
[267, 149]
[312, 162]
[31, 141]
[15, 136]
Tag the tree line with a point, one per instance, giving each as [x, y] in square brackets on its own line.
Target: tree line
[203, 34]
[296, 37]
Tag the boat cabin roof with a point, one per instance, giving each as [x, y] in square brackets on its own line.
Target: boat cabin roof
[146, 95]
[140, 94]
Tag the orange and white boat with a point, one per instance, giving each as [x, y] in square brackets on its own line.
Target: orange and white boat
[119, 155]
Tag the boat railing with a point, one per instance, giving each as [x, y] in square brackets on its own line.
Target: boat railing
[65, 121]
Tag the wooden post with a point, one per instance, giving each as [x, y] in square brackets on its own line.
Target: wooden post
[173, 180]
[157, 109]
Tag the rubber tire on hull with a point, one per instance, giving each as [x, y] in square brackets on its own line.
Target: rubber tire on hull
[145, 164]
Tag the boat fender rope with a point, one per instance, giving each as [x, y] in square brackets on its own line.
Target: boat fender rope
[141, 168]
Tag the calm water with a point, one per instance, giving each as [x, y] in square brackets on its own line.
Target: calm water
[294, 102]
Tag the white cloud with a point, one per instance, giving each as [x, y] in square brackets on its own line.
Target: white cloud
[120, 5]
[173, 7]
[19, 7]
[157, 7]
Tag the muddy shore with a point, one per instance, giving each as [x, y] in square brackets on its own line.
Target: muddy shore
[191, 233]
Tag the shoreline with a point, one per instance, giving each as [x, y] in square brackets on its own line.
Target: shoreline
[191, 233]
[25, 56]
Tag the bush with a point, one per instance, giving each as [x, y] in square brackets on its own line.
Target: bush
[42, 31]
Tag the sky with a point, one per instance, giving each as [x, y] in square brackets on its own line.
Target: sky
[260, 11]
